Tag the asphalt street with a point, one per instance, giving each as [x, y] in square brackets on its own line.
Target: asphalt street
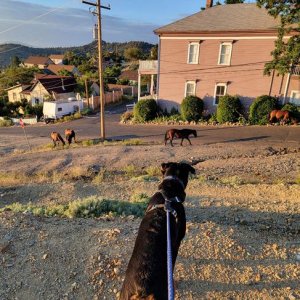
[89, 127]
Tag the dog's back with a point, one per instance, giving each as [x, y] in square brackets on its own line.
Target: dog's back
[146, 274]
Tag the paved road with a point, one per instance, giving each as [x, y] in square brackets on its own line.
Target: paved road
[90, 128]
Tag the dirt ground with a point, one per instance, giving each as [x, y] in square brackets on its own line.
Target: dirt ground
[243, 214]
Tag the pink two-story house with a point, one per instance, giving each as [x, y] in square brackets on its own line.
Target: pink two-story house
[221, 50]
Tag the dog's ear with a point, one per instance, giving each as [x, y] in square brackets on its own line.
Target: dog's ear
[192, 170]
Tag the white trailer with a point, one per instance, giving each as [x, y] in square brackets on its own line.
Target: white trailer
[58, 109]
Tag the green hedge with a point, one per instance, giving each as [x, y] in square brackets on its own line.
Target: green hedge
[191, 108]
[229, 109]
[260, 109]
[145, 110]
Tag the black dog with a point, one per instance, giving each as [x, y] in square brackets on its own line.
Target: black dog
[179, 133]
[146, 275]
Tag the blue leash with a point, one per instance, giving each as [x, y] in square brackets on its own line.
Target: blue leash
[169, 255]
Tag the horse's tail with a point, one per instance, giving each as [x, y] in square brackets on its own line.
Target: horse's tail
[61, 139]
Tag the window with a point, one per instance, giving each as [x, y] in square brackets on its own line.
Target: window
[295, 97]
[37, 101]
[193, 53]
[190, 88]
[220, 90]
[59, 109]
[225, 54]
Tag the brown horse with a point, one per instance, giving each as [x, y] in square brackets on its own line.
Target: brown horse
[179, 133]
[279, 115]
[70, 134]
[56, 138]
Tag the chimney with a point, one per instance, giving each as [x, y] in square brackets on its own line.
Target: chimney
[209, 3]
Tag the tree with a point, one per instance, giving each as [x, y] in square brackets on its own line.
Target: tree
[286, 53]
[65, 72]
[154, 52]
[133, 54]
[15, 61]
[111, 74]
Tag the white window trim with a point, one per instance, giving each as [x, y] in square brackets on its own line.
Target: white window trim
[294, 91]
[220, 48]
[185, 89]
[215, 93]
[198, 47]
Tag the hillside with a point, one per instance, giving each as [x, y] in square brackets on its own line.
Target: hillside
[10, 50]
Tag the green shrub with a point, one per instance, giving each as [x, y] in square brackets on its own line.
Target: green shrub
[260, 109]
[191, 108]
[293, 109]
[290, 107]
[212, 119]
[86, 111]
[229, 109]
[6, 123]
[145, 110]
[77, 115]
[84, 208]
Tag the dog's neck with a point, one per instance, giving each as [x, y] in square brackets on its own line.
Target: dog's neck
[170, 190]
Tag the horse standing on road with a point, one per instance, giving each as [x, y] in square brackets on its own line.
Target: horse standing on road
[179, 133]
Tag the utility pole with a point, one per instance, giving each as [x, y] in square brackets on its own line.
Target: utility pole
[100, 66]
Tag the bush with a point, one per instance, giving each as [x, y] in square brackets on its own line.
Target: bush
[86, 111]
[229, 109]
[145, 110]
[191, 108]
[290, 107]
[6, 123]
[260, 109]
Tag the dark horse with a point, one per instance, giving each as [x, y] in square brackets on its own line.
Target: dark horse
[146, 274]
[279, 115]
[56, 138]
[70, 134]
[179, 133]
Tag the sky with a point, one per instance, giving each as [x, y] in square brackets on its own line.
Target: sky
[55, 23]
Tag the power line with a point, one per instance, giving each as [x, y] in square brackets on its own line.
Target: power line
[28, 21]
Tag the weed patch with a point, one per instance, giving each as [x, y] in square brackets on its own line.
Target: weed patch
[85, 208]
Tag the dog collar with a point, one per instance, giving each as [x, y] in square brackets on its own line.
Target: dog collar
[174, 178]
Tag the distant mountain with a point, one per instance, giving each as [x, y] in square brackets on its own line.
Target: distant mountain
[7, 51]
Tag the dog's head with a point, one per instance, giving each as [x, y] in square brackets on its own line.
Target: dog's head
[195, 133]
[179, 170]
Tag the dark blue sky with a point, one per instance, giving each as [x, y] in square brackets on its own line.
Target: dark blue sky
[69, 23]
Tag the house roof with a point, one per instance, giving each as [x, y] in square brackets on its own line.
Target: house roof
[37, 60]
[56, 68]
[27, 90]
[229, 17]
[130, 75]
[57, 84]
[56, 56]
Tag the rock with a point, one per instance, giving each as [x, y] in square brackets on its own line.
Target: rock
[116, 271]
[257, 278]
[45, 256]
[292, 296]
